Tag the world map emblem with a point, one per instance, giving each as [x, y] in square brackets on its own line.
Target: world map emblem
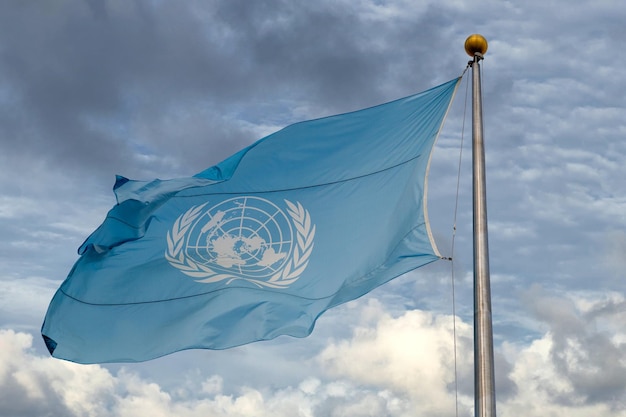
[243, 238]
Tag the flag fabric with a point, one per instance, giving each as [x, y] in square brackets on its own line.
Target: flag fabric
[260, 245]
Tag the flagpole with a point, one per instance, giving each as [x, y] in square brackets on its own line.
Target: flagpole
[484, 381]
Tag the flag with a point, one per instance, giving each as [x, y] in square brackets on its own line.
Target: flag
[260, 245]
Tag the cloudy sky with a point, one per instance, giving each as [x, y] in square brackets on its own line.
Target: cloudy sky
[145, 89]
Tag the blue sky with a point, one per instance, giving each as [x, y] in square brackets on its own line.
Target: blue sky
[146, 89]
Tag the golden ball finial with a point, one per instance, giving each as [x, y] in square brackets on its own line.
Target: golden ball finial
[475, 43]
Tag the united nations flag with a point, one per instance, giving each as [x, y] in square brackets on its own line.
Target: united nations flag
[314, 215]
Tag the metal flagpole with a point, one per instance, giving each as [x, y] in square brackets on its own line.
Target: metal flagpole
[484, 381]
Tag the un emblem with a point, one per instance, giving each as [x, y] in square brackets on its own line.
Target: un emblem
[248, 238]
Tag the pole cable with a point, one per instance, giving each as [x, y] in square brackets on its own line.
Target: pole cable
[452, 256]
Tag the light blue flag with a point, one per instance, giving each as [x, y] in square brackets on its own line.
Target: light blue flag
[258, 246]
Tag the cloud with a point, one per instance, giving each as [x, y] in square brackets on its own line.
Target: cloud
[395, 365]
[42, 386]
[584, 345]
[33, 385]
[92, 84]
[411, 354]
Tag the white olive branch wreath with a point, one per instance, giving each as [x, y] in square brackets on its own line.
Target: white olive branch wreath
[291, 271]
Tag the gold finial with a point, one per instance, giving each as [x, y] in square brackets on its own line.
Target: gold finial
[476, 44]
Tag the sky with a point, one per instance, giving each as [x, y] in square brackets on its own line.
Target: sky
[160, 89]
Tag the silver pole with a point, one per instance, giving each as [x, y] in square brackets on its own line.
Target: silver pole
[485, 395]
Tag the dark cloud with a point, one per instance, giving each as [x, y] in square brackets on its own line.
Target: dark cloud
[583, 352]
[15, 401]
[80, 75]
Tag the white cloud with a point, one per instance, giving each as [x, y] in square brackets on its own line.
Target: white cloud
[391, 366]
[411, 355]
[544, 391]
[32, 385]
